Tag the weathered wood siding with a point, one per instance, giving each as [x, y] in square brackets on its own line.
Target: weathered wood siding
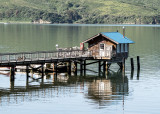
[93, 45]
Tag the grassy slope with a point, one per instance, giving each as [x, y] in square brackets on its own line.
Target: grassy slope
[88, 9]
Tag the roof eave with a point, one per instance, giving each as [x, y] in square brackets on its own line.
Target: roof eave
[86, 41]
[110, 39]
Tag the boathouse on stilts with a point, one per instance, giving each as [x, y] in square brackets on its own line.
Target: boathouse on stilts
[109, 47]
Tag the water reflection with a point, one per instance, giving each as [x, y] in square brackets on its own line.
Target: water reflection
[105, 91]
[101, 90]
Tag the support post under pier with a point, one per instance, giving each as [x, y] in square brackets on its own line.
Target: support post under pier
[138, 63]
[27, 75]
[123, 65]
[132, 64]
[75, 64]
[81, 67]
[42, 70]
[55, 68]
[99, 68]
[69, 67]
[84, 67]
[104, 68]
[27, 71]
[12, 73]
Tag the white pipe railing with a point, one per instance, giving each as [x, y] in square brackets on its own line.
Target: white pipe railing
[60, 54]
[64, 54]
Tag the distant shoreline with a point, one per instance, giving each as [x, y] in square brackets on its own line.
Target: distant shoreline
[10, 22]
[78, 24]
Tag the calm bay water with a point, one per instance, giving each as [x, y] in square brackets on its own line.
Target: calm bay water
[76, 94]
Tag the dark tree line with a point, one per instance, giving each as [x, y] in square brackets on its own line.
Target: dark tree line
[76, 12]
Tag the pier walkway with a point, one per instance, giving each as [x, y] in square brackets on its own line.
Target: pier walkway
[69, 57]
[18, 59]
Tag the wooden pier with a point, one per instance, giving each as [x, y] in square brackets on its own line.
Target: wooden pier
[103, 49]
[81, 57]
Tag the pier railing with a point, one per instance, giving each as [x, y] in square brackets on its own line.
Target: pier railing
[43, 55]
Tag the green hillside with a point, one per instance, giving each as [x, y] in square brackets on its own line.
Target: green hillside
[81, 11]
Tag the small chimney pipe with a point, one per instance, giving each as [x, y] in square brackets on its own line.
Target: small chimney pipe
[123, 32]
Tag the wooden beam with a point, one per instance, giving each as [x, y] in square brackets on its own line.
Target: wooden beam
[92, 63]
[120, 65]
[91, 70]
[108, 66]
[35, 68]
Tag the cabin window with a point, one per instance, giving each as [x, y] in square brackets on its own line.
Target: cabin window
[122, 47]
[126, 47]
[118, 48]
[101, 46]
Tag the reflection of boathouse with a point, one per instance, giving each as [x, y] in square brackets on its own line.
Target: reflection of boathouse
[103, 89]
[100, 90]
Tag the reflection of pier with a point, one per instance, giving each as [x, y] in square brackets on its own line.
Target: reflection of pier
[100, 89]
[45, 87]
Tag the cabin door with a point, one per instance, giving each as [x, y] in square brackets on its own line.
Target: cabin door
[102, 50]
[108, 50]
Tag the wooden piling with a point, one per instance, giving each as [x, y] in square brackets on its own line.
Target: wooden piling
[42, 70]
[123, 63]
[27, 71]
[132, 64]
[138, 73]
[84, 65]
[138, 63]
[55, 68]
[132, 73]
[42, 80]
[54, 71]
[27, 79]
[81, 67]
[104, 68]
[12, 72]
[69, 67]
[75, 64]
[12, 85]
[27, 75]
[99, 68]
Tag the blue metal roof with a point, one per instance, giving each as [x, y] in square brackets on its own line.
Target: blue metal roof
[117, 37]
